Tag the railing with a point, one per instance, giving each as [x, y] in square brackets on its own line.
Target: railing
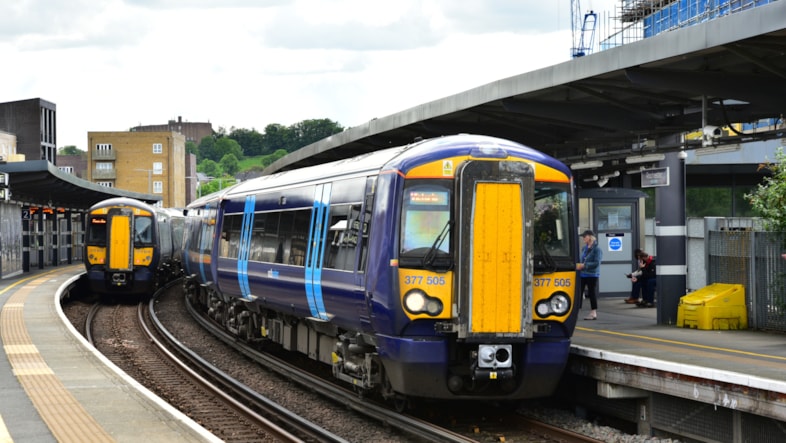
[104, 174]
[752, 259]
[104, 154]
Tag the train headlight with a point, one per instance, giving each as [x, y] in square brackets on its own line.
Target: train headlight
[434, 306]
[558, 304]
[415, 301]
[418, 302]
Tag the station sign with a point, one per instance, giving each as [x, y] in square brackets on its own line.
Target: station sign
[654, 177]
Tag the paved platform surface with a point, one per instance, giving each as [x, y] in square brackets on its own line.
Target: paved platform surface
[55, 387]
[746, 357]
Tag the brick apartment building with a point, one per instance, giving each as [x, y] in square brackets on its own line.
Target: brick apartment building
[145, 162]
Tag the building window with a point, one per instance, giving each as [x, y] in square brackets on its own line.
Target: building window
[158, 168]
[104, 166]
[103, 147]
[67, 169]
[158, 187]
[106, 184]
[158, 148]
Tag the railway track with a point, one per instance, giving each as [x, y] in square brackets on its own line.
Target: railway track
[228, 411]
[125, 344]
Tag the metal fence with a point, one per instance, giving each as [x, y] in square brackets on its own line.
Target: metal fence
[753, 259]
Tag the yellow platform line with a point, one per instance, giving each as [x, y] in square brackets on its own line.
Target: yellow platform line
[682, 343]
[5, 437]
[66, 418]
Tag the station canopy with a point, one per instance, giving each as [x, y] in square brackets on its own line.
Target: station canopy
[634, 99]
[39, 182]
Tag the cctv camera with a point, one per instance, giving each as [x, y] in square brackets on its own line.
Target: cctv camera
[710, 135]
[712, 132]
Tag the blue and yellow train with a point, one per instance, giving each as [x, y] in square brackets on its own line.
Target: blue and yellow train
[443, 269]
[132, 248]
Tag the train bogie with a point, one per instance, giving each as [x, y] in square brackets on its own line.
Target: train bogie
[443, 269]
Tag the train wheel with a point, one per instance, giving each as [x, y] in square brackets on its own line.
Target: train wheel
[400, 403]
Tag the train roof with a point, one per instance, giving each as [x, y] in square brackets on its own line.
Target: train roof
[123, 201]
[400, 158]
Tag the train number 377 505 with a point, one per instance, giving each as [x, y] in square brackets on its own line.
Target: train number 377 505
[429, 280]
[553, 282]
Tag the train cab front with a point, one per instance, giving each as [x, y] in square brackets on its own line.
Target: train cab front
[478, 327]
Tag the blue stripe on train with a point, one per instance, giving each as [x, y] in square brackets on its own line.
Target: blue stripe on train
[245, 246]
[314, 253]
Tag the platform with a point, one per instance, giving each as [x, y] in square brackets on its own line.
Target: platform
[730, 382]
[633, 331]
[56, 387]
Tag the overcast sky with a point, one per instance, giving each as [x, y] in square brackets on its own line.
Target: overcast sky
[110, 65]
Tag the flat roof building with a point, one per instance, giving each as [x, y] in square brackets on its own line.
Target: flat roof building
[33, 121]
[145, 162]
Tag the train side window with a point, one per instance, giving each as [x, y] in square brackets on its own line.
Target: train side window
[257, 237]
[230, 236]
[364, 221]
[164, 233]
[342, 238]
[265, 237]
[284, 240]
[208, 232]
[292, 237]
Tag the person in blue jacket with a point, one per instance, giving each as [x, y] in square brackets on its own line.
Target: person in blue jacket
[589, 271]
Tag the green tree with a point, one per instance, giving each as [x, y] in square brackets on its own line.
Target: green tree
[216, 184]
[769, 197]
[268, 160]
[192, 148]
[210, 168]
[251, 141]
[70, 150]
[310, 131]
[276, 137]
[229, 164]
[224, 146]
[207, 149]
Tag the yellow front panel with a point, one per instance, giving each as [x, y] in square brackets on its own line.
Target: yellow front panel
[96, 255]
[120, 243]
[497, 259]
[434, 284]
[143, 256]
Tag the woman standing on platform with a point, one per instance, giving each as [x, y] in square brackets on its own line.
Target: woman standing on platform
[589, 267]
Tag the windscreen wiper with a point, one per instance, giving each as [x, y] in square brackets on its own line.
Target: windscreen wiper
[431, 255]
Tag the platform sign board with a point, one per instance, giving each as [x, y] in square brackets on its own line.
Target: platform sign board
[651, 178]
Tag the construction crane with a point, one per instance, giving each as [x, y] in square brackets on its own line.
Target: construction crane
[583, 29]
